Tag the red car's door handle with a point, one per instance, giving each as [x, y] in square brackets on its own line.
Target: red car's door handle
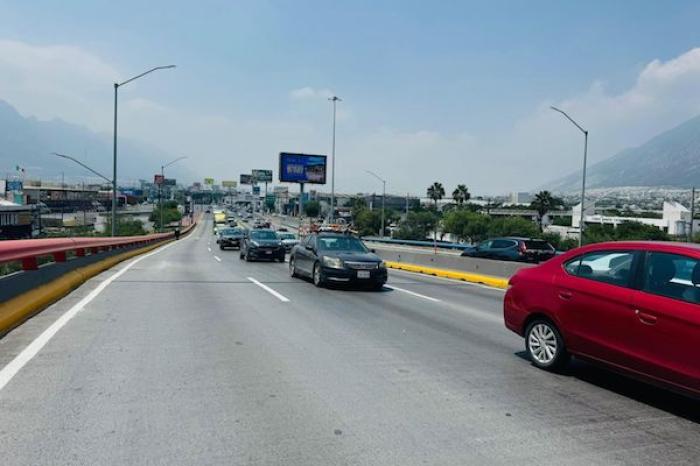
[566, 295]
[645, 318]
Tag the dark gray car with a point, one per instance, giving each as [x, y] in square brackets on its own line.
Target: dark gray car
[262, 244]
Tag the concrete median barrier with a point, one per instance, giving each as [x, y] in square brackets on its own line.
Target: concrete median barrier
[489, 272]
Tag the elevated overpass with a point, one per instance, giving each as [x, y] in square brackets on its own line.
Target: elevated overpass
[187, 355]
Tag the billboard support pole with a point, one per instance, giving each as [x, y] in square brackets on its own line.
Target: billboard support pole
[301, 200]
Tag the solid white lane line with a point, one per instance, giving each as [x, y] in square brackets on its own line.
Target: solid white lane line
[217, 258]
[417, 295]
[14, 366]
[269, 290]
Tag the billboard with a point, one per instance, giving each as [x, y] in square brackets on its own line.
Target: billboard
[229, 184]
[169, 182]
[302, 168]
[209, 181]
[246, 179]
[14, 185]
[262, 176]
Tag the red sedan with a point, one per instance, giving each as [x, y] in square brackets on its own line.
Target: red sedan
[633, 306]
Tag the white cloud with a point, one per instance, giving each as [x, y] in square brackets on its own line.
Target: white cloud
[74, 84]
[306, 93]
[51, 81]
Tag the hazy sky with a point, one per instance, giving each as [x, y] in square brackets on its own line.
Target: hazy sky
[456, 92]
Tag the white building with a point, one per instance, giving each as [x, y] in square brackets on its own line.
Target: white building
[675, 218]
[520, 198]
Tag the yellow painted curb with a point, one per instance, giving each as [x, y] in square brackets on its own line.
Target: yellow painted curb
[496, 282]
[20, 308]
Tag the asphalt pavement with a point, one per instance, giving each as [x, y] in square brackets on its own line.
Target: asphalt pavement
[192, 356]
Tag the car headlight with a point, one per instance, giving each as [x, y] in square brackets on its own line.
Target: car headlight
[382, 265]
[254, 244]
[332, 262]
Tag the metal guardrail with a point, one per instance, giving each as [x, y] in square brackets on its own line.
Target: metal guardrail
[408, 242]
[29, 250]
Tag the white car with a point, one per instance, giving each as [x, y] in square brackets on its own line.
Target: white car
[289, 240]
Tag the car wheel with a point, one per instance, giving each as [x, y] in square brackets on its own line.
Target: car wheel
[378, 286]
[545, 346]
[318, 275]
[221, 246]
[292, 268]
[247, 257]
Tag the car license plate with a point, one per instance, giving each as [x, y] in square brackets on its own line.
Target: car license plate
[363, 274]
[268, 252]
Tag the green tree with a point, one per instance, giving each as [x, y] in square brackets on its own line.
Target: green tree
[270, 204]
[126, 227]
[513, 226]
[543, 203]
[368, 222]
[436, 192]
[312, 209]
[170, 214]
[461, 194]
[417, 225]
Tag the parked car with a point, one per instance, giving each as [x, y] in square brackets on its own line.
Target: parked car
[289, 240]
[230, 237]
[634, 306]
[512, 249]
[261, 244]
[337, 258]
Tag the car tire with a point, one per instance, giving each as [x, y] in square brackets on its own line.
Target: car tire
[292, 268]
[545, 345]
[247, 257]
[317, 276]
[221, 246]
[378, 286]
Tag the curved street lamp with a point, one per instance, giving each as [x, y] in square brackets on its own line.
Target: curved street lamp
[583, 182]
[114, 161]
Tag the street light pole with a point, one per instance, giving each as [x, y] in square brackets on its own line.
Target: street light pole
[114, 157]
[335, 100]
[383, 197]
[72, 159]
[160, 189]
[583, 180]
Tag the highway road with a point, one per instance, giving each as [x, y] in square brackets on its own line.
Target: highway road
[190, 356]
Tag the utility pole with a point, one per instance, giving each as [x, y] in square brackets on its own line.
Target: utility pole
[335, 100]
[114, 155]
[583, 181]
[407, 206]
[692, 213]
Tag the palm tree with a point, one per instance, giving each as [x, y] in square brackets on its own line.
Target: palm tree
[436, 192]
[461, 194]
[543, 203]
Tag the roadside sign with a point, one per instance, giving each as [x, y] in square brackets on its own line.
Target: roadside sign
[256, 190]
[158, 179]
[262, 176]
[229, 184]
[246, 179]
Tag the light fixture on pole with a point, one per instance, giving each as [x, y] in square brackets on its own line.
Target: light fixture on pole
[72, 159]
[583, 181]
[114, 158]
[160, 188]
[383, 196]
[335, 99]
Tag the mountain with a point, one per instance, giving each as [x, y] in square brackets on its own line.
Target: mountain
[28, 142]
[671, 159]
